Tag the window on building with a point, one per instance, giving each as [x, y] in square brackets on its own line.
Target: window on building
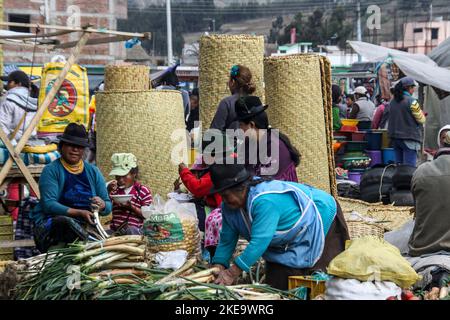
[418, 30]
[434, 33]
[20, 18]
[282, 51]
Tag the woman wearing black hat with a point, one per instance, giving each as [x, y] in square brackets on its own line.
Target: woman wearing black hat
[296, 238]
[282, 156]
[69, 188]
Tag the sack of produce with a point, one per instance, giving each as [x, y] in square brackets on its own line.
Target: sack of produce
[373, 259]
[171, 226]
[352, 289]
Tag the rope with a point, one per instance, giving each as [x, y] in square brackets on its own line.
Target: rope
[381, 182]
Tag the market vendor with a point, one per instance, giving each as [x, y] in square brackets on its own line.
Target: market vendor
[430, 185]
[69, 188]
[363, 109]
[253, 120]
[240, 84]
[297, 229]
[127, 217]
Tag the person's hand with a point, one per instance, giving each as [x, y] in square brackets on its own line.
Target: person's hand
[97, 201]
[177, 184]
[219, 267]
[228, 276]
[126, 206]
[86, 215]
[112, 186]
[181, 167]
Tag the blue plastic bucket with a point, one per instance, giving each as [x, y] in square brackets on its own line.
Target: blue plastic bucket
[374, 140]
[388, 156]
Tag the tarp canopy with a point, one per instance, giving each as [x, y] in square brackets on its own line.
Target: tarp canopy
[418, 66]
[441, 54]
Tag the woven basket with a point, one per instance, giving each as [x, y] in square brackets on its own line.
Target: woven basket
[390, 217]
[218, 53]
[298, 106]
[127, 78]
[393, 217]
[359, 229]
[349, 205]
[142, 123]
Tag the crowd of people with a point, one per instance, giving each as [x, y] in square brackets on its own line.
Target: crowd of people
[296, 228]
[399, 113]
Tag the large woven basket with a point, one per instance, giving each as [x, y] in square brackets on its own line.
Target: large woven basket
[390, 217]
[127, 78]
[299, 99]
[142, 123]
[218, 53]
[359, 229]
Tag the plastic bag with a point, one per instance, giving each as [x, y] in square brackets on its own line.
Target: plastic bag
[373, 259]
[171, 226]
[351, 289]
[171, 259]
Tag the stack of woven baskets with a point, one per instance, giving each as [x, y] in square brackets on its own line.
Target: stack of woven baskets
[132, 118]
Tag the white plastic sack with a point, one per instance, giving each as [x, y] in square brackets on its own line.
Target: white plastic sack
[171, 259]
[352, 289]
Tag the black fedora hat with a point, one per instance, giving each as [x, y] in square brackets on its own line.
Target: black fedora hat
[226, 176]
[75, 134]
[249, 106]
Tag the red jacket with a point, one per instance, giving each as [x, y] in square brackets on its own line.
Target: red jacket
[200, 187]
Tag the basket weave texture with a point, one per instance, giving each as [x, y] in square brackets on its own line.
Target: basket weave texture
[127, 78]
[142, 123]
[218, 53]
[359, 229]
[390, 217]
[298, 99]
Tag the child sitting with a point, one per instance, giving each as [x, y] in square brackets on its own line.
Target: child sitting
[127, 218]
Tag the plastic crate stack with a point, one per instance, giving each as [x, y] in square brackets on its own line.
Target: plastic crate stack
[358, 148]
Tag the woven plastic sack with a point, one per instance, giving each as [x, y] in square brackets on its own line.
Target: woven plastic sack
[171, 226]
[351, 289]
[71, 102]
[373, 259]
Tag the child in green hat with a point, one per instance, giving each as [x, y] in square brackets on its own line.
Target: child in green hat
[127, 217]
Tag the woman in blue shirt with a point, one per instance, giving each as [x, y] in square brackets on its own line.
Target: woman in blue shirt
[297, 229]
[69, 187]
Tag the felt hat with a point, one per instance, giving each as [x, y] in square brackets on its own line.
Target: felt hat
[249, 106]
[226, 176]
[75, 134]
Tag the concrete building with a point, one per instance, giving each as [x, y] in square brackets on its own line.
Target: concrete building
[98, 13]
[421, 37]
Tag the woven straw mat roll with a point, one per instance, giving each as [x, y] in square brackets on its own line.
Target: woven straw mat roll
[127, 78]
[296, 106]
[142, 123]
[218, 53]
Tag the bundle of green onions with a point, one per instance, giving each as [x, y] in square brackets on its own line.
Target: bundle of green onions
[115, 269]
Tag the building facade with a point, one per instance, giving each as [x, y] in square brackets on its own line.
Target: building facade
[98, 13]
[421, 37]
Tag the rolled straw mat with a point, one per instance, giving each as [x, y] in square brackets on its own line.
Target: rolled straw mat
[142, 123]
[127, 78]
[299, 100]
[218, 53]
